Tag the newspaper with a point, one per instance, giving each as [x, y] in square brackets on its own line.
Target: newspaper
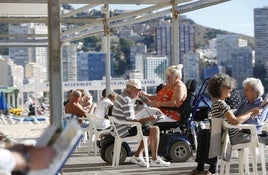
[64, 141]
[264, 102]
[150, 111]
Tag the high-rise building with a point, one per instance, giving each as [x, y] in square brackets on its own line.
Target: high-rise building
[134, 50]
[69, 62]
[154, 67]
[261, 44]
[241, 60]
[4, 78]
[11, 74]
[190, 66]
[25, 55]
[186, 38]
[226, 46]
[20, 55]
[33, 72]
[40, 54]
[91, 66]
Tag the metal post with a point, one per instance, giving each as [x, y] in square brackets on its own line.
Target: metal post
[105, 11]
[55, 71]
[175, 34]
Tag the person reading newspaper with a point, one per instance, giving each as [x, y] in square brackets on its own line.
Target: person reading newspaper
[123, 109]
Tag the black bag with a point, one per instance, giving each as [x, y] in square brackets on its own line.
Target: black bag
[201, 113]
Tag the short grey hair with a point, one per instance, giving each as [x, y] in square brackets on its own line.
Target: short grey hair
[256, 85]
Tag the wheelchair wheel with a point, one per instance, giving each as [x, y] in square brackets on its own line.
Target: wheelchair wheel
[180, 151]
[102, 153]
[107, 154]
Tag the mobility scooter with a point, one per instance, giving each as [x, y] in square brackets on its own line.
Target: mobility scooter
[177, 139]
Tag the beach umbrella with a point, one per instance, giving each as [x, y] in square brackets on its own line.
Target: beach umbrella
[3, 103]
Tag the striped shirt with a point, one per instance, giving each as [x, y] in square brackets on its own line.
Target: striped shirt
[123, 109]
[219, 108]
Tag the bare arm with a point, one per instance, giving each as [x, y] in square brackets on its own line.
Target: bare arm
[179, 93]
[146, 120]
[241, 118]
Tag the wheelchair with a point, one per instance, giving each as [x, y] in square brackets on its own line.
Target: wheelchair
[177, 139]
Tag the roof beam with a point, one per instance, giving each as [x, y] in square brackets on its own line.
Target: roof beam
[17, 20]
[137, 2]
[198, 5]
[24, 43]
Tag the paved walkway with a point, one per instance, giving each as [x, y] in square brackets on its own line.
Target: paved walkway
[80, 163]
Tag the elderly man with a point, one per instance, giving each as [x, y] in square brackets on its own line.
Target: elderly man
[253, 90]
[75, 108]
[124, 110]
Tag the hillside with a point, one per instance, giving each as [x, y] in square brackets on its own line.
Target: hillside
[204, 34]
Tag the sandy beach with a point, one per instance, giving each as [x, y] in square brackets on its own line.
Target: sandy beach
[21, 131]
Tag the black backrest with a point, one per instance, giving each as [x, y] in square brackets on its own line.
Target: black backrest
[186, 108]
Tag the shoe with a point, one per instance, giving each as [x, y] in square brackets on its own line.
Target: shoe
[206, 172]
[195, 172]
[159, 162]
[138, 160]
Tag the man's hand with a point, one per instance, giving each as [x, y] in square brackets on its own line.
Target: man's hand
[255, 112]
[152, 118]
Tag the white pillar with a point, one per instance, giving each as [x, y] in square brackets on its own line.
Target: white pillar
[106, 25]
[55, 68]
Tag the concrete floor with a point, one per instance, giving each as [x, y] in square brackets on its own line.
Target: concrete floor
[80, 163]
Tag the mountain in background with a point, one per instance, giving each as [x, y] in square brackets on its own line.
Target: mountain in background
[204, 34]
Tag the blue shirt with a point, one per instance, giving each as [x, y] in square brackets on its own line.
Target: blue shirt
[259, 119]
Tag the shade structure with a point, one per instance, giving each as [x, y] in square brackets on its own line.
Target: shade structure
[3, 103]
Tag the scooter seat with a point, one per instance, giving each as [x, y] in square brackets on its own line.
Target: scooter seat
[163, 126]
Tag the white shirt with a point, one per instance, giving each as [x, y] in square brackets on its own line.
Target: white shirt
[7, 161]
[100, 111]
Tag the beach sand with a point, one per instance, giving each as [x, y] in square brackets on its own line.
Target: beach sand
[22, 131]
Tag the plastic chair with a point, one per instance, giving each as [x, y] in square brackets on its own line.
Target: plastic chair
[93, 131]
[68, 118]
[119, 139]
[262, 148]
[243, 150]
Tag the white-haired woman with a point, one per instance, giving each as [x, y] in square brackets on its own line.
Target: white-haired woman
[172, 94]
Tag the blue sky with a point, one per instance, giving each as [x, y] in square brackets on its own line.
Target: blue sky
[234, 16]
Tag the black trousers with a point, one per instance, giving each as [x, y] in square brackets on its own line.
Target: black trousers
[203, 142]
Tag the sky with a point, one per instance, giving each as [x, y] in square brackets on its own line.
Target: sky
[233, 16]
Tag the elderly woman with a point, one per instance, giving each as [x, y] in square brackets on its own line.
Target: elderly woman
[172, 94]
[220, 87]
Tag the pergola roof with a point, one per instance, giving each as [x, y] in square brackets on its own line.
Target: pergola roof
[48, 11]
